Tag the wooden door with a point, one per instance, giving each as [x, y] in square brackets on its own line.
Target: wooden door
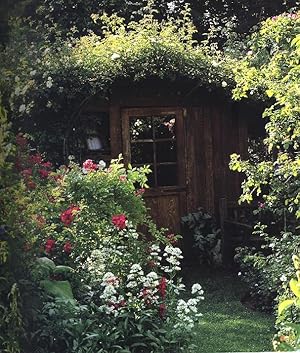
[155, 137]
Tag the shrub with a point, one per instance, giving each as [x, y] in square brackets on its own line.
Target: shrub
[266, 271]
[97, 283]
[207, 236]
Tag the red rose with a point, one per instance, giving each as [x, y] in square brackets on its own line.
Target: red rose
[119, 221]
[162, 287]
[162, 310]
[89, 165]
[68, 215]
[68, 248]
[49, 246]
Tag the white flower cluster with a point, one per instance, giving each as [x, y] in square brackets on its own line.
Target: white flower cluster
[129, 232]
[95, 263]
[187, 311]
[135, 276]
[113, 301]
[173, 256]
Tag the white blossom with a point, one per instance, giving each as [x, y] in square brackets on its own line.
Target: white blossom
[22, 108]
[115, 56]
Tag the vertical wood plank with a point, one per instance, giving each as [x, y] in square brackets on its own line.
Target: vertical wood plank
[209, 153]
[115, 130]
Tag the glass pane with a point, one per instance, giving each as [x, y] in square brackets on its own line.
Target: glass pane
[164, 126]
[167, 175]
[151, 181]
[141, 128]
[166, 151]
[141, 152]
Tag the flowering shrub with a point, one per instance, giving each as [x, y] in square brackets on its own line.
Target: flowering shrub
[100, 284]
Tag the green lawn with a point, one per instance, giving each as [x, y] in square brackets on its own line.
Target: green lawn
[227, 325]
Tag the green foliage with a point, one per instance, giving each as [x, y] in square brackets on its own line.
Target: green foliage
[272, 69]
[11, 323]
[57, 75]
[266, 271]
[288, 339]
[207, 236]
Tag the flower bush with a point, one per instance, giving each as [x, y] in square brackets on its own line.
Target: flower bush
[97, 283]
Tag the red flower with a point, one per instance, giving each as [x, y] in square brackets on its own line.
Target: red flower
[44, 173]
[68, 248]
[36, 158]
[139, 192]
[172, 239]
[26, 173]
[119, 221]
[162, 310]
[49, 246]
[162, 287]
[89, 165]
[68, 215]
[47, 164]
[122, 178]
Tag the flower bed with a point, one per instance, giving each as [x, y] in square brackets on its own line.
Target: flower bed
[97, 283]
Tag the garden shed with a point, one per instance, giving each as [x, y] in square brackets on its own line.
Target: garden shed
[186, 134]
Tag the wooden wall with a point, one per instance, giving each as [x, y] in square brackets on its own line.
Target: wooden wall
[214, 127]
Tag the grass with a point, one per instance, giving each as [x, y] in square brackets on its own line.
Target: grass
[227, 325]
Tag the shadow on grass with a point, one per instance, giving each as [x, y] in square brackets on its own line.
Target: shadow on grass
[227, 325]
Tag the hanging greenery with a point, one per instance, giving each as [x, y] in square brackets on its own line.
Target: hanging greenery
[40, 75]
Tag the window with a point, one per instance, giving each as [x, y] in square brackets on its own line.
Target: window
[153, 141]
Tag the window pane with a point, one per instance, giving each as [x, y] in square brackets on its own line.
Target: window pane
[164, 126]
[141, 128]
[166, 151]
[141, 153]
[151, 181]
[167, 175]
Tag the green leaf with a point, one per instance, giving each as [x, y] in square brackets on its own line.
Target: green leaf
[61, 289]
[295, 287]
[45, 262]
[62, 269]
[284, 305]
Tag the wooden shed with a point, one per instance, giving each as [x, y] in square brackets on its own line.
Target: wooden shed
[186, 133]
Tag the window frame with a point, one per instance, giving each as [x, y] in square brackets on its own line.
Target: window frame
[146, 112]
